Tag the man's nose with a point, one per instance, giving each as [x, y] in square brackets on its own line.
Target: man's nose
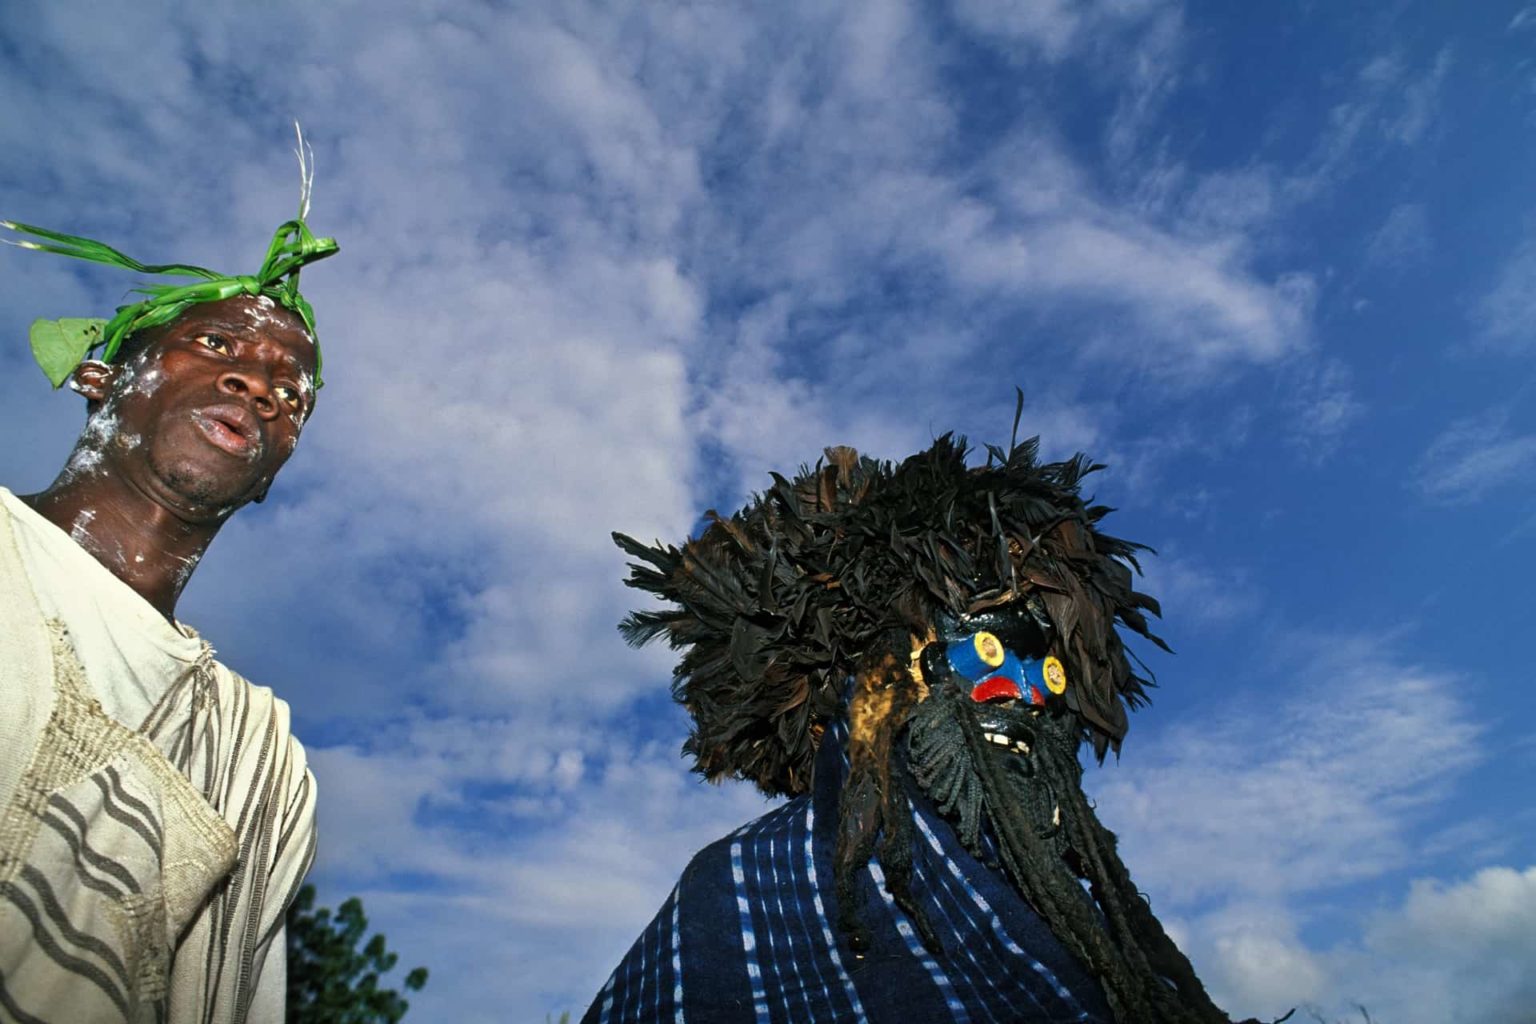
[254, 387]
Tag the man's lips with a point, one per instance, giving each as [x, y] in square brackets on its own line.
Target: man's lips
[231, 428]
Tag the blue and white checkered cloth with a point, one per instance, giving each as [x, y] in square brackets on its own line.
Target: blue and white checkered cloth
[749, 935]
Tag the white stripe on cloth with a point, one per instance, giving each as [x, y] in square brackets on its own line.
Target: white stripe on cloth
[994, 922]
[821, 915]
[748, 936]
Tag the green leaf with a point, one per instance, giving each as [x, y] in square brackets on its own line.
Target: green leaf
[60, 345]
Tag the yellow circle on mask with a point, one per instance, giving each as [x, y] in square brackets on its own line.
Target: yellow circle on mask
[989, 649]
[1055, 675]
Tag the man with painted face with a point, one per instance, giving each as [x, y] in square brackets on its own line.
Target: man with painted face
[914, 654]
[156, 813]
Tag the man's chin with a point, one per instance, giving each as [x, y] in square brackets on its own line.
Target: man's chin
[204, 490]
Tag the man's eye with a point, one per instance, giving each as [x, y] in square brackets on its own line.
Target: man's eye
[290, 396]
[214, 341]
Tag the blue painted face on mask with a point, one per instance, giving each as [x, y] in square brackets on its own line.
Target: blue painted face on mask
[998, 674]
[1001, 655]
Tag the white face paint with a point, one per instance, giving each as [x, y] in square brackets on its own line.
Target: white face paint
[77, 529]
[82, 462]
[307, 387]
[266, 313]
[184, 569]
[139, 381]
[100, 430]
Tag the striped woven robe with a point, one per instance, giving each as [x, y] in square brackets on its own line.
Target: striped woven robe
[145, 870]
[748, 935]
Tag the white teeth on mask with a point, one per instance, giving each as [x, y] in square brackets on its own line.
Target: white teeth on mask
[1056, 816]
[1017, 746]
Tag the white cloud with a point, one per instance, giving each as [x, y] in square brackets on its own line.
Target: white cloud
[1472, 945]
[1311, 791]
[1053, 28]
[1321, 406]
[1420, 102]
[1195, 593]
[1458, 951]
[1249, 825]
[531, 917]
[1403, 240]
[1506, 314]
[1445, 952]
[1390, 105]
[1472, 457]
[1252, 956]
[1231, 200]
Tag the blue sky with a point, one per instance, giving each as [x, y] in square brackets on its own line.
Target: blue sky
[605, 266]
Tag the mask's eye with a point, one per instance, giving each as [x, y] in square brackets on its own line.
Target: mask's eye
[976, 657]
[215, 342]
[988, 648]
[290, 396]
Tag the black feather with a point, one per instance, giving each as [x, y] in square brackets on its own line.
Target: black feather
[773, 605]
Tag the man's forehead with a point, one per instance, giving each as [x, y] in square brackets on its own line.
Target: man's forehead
[248, 316]
[247, 311]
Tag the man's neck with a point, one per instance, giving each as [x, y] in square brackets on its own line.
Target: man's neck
[139, 541]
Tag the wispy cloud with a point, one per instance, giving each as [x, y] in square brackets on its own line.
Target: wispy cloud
[1403, 240]
[1054, 28]
[1506, 314]
[1419, 101]
[1321, 407]
[1315, 790]
[1284, 809]
[520, 884]
[1473, 457]
[1393, 105]
[1194, 593]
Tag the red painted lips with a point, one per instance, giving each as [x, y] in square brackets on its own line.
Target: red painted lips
[996, 688]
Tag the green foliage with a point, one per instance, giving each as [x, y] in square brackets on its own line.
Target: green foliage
[329, 980]
[60, 345]
[293, 246]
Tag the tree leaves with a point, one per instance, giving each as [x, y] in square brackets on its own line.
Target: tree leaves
[60, 345]
[329, 980]
[292, 247]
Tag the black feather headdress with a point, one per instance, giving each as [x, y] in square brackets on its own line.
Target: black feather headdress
[774, 605]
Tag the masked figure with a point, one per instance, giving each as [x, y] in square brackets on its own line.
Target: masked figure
[913, 654]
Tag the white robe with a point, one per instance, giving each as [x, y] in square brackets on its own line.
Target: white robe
[156, 814]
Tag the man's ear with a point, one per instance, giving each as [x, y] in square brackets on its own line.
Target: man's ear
[94, 379]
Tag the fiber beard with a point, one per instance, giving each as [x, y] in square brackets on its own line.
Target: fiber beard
[1050, 842]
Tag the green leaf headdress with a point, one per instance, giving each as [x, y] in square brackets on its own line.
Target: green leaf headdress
[61, 345]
